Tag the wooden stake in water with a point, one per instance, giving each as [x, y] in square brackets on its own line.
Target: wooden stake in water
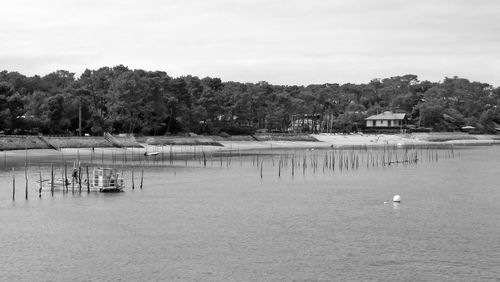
[52, 179]
[162, 157]
[170, 156]
[88, 180]
[13, 184]
[142, 177]
[133, 186]
[80, 177]
[73, 179]
[65, 184]
[26, 179]
[279, 168]
[63, 176]
[40, 189]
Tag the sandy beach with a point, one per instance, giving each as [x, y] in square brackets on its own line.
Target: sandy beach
[18, 157]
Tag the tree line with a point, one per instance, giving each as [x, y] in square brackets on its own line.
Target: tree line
[121, 100]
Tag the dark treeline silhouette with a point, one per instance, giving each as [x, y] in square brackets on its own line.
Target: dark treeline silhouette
[121, 100]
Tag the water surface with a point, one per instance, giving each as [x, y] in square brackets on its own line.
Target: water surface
[226, 223]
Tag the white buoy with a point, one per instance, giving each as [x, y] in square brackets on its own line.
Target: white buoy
[396, 199]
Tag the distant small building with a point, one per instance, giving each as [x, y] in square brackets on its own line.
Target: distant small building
[305, 122]
[386, 120]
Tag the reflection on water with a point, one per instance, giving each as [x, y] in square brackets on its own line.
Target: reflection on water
[228, 223]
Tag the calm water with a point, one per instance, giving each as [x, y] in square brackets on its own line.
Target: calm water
[229, 224]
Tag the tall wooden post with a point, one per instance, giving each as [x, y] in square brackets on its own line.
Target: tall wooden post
[142, 177]
[133, 186]
[26, 171]
[80, 178]
[88, 181]
[26, 179]
[13, 184]
[65, 184]
[52, 179]
[40, 189]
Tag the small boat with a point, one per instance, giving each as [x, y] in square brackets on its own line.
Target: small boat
[151, 152]
[106, 180]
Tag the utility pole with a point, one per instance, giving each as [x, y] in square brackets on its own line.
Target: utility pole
[80, 116]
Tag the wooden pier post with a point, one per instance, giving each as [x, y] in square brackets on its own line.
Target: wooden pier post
[52, 179]
[26, 177]
[73, 179]
[40, 190]
[170, 158]
[88, 180]
[162, 156]
[63, 177]
[65, 184]
[13, 184]
[142, 177]
[26, 171]
[80, 177]
[279, 168]
[133, 185]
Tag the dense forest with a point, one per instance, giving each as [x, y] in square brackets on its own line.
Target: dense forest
[120, 100]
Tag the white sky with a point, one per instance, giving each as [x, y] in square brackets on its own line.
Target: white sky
[282, 42]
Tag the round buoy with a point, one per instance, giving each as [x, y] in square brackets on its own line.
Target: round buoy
[396, 199]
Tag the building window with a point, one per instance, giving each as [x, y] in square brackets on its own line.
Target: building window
[389, 122]
[374, 122]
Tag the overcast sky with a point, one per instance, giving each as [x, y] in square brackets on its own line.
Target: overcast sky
[282, 42]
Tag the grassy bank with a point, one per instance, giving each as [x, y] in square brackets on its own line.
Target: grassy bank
[37, 142]
[216, 140]
[21, 143]
[178, 140]
[286, 137]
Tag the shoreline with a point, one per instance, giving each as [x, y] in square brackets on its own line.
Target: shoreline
[184, 149]
[211, 143]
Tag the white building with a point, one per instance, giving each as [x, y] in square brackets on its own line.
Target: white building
[386, 120]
